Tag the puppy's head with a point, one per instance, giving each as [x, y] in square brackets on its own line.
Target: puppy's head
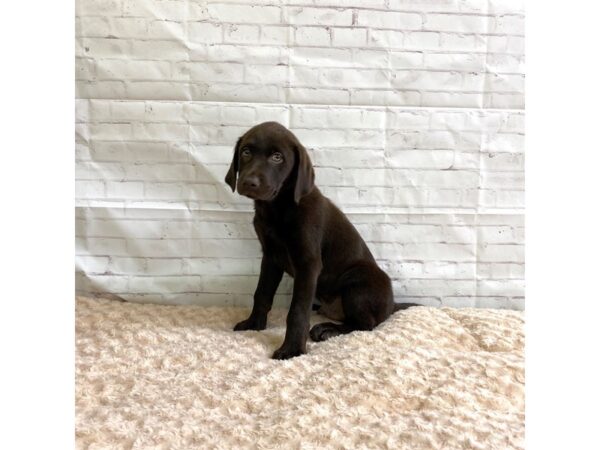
[267, 160]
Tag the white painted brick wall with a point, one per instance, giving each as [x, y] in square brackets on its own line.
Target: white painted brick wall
[412, 113]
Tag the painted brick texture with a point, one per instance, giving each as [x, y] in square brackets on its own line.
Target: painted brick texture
[413, 114]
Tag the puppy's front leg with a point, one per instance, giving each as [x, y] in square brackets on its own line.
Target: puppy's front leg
[296, 334]
[268, 281]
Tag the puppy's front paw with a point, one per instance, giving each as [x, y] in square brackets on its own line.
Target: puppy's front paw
[287, 353]
[251, 323]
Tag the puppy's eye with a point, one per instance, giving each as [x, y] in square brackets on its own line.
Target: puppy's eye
[277, 157]
[246, 153]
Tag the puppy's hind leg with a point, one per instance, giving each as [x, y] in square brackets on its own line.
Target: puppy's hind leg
[323, 331]
[367, 300]
[331, 308]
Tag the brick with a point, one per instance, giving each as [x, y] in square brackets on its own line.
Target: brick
[207, 71]
[401, 269]
[229, 266]
[354, 77]
[257, 74]
[501, 287]
[336, 117]
[501, 253]
[266, 113]
[505, 63]
[239, 115]
[305, 56]
[515, 122]
[92, 264]
[92, 27]
[388, 19]
[238, 53]
[506, 83]
[111, 130]
[402, 233]
[422, 40]
[100, 48]
[509, 101]
[426, 79]
[385, 97]
[507, 6]
[431, 140]
[317, 36]
[123, 111]
[386, 38]
[245, 13]
[349, 3]
[369, 59]
[439, 252]
[164, 266]
[203, 113]
[157, 90]
[121, 228]
[165, 29]
[160, 131]
[275, 35]
[105, 246]
[516, 44]
[102, 8]
[456, 23]
[408, 120]
[510, 199]
[508, 24]
[504, 142]
[487, 120]
[165, 9]
[164, 112]
[448, 120]
[318, 16]
[85, 69]
[163, 190]
[349, 37]
[318, 96]
[205, 32]
[242, 34]
[503, 162]
[435, 269]
[451, 99]
[413, 159]
[119, 69]
[501, 271]
[497, 44]
[405, 60]
[350, 158]
[454, 61]
[463, 42]
[438, 287]
[82, 152]
[89, 189]
[125, 189]
[236, 248]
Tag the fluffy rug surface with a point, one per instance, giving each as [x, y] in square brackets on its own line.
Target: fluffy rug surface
[178, 377]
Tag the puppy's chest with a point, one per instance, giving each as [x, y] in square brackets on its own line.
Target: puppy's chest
[275, 238]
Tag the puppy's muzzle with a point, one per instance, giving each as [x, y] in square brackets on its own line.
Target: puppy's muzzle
[254, 187]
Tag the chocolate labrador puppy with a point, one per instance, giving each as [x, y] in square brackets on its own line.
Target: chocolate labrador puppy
[304, 234]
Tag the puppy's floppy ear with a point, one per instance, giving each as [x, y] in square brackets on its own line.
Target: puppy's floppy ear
[305, 175]
[231, 176]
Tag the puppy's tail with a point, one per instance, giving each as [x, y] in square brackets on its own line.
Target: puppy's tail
[401, 306]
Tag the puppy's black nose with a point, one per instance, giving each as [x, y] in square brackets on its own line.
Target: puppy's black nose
[251, 182]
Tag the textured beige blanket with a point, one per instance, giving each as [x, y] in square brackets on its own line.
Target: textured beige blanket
[177, 377]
